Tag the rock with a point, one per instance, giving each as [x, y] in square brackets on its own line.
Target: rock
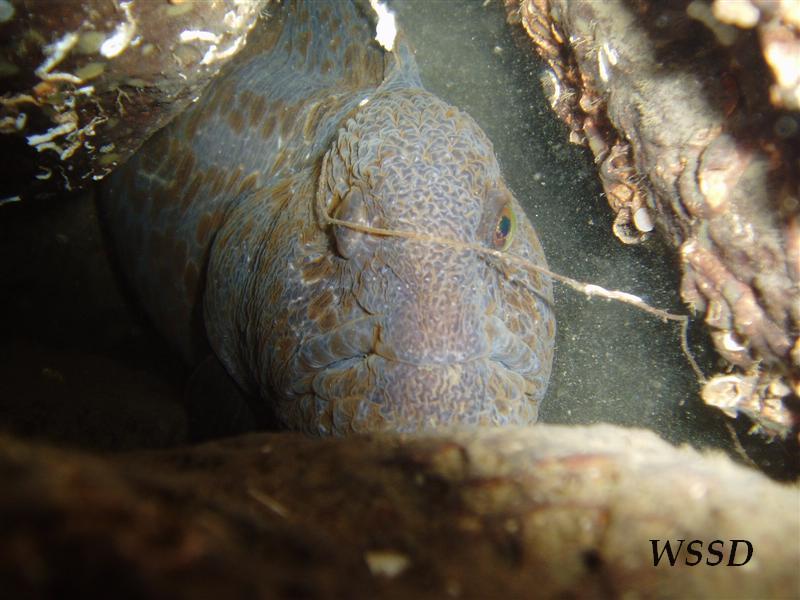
[84, 84]
[492, 513]
[684, 108]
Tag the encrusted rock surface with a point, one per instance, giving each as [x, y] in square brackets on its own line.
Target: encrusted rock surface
[83, 84]
[687, 108]
[500, 513]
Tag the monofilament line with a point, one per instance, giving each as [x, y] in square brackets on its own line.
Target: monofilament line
[588, 289]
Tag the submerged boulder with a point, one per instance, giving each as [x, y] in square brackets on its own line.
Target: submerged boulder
[84, 84]
[550, 510]
[690, 111]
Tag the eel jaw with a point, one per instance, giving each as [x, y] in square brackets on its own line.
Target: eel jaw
[347, 381]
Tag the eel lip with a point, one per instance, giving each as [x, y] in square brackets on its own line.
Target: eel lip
[375, 394]
[359, 340]
[510, 350]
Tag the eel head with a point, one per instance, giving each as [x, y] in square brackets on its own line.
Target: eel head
[414, 333]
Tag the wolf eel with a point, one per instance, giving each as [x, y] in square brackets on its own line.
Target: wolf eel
[216, 222]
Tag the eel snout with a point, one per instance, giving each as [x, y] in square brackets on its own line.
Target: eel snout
[361, 381]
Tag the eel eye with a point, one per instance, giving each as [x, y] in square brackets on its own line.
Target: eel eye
[504, 228]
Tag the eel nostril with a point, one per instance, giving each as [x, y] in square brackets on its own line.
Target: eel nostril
[351, 208]
[350, 340]
[509, 350]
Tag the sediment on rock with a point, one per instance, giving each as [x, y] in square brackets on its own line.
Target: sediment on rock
[491, 513]
[690, 111]
[84, 84]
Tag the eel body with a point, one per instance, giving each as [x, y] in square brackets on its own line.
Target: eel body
[217, 223]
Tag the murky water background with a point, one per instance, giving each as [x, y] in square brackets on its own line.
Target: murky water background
[613, 363]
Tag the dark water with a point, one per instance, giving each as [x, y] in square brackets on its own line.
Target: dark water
[613, 363]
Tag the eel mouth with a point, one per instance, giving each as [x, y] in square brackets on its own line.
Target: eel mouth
[348, 380]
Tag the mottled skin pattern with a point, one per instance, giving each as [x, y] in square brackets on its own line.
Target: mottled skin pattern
[217, 223]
